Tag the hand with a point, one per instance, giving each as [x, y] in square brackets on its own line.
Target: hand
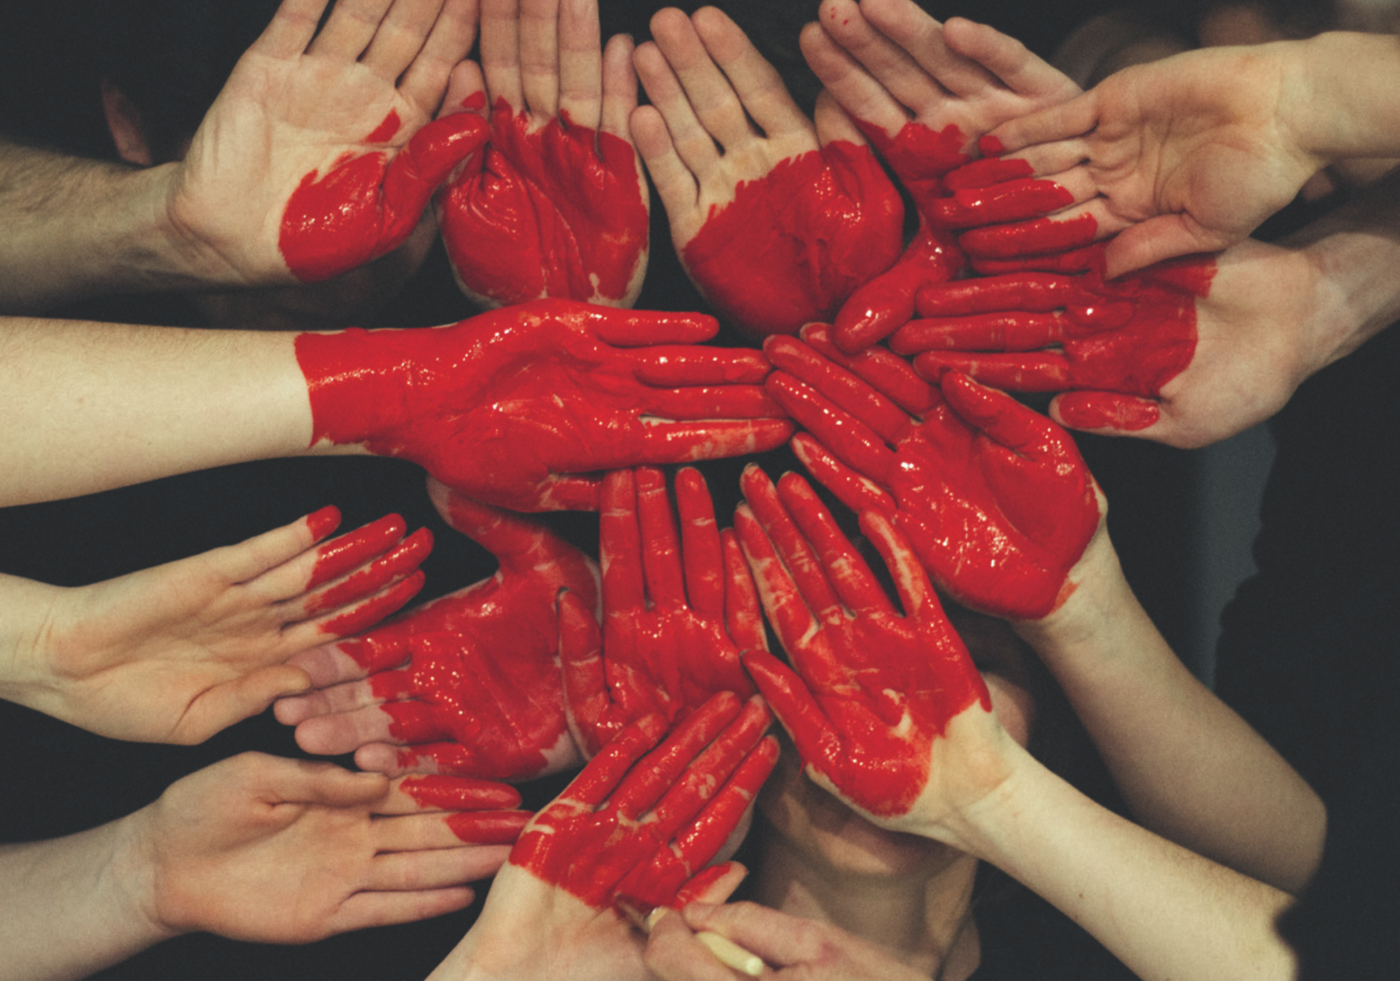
[793, 946]
[637, 826]
[557, 205]
[886, 711]
[677, 610]
[782, 220]
[922, 92]
[995, 498]
[330, 131]
[1183, 155]
[178, 652]
[268, 850]
[468, 684]
[521, 407]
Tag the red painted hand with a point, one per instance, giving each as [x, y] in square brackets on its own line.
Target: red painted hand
[481, 693]
[677, 610]
[995, 498]
[871, 694]
[520, 407]
[1116, 344]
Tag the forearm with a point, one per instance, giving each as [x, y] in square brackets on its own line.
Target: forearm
[71, 906]
[1166, 912]
[1188, 767]
[90, 406]
[1342, 103]
[77, 228]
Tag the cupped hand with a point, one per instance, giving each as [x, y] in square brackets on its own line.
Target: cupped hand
[319, 153]
[886, 709]
[180, 651]
[677, 610]
[557, 205]
[468, 684]
[995, 498]
[775, 219]
[523, 407]
[270, 850]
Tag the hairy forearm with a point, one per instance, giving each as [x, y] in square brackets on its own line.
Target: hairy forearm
[1189, 768]
[72, 906]
[1166, 912]
[77, 228]
[90, 406]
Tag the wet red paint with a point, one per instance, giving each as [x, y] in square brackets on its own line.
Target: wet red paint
[321, 523]
[557, 212]
[371, 611]
[887, 301]
[986, 172]
[792, 246]
[385, 131]
[869, 691]
[1030, 237]
[368, 579]
[920, 156]
[1126, 337]
[366, 204]
[489, 827]
[1011, 201]
[349, 551]
[1100, 410]
[459, 793]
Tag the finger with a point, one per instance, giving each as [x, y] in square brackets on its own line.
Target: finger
[1076, 117]
[742, 612]
[569, 492]
[708, 91]
[1157, 239]
[851, 489]
[1009, 331]
[780, 939]
[687, 442]
[844, 76]
[619, 87]
[916, 593]
[675, 182]
[834, 124]
[1017, 200]
[421, 167]
[787, 610]
[377, 909]
[585, 683]
[891, 376]
[411, 794]
[850, 439]
[363, 583]
[792, 702]
[678, 151]
[291, 29]
[700, 546]
[580, 63]
[352, 550]
[1033, 237]
[620, 545]
[759, 88]
[887, 301]
[449, 42]
[1107, 413]
[695, 365]
[1007, 422]
[433, 868]
[400, 37]
[641, 328]
[423, 832]
[365, 614]
[1089, 259]
[713, 402]
[715, 825]
[1034, 292]
[538, 37]
[350, 696]
[660, 542]
[1008, 372]
[847, 572]
[315, 782]
[598, 780]
[345, 732]
[217, 708]
[466, 91]
[663, 767]
[349, 29]
[499, 49]
[673, 952]
[845, 390]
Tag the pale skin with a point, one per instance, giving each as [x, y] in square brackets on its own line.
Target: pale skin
[254, 848]
[296, 102]
[180, 651]
[1191, 153]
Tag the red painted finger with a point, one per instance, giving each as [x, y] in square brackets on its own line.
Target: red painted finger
[335, 558]
[845, 568]
[845, 389]
[641, 328]
[460, 793]
[986, 172]
[1013, 201]
[916, 593]
[400, 561]
[1087, 259]
[660, 541]
[787, 612]
[690, 364]
[421, 166]
[1007, 331]
[742, 612]
[875, 310]
[585, 682]
[620, 544]
[664, 766]
[850, 439]
[687, 442]
[369, 612]
[712, 402]
[1033, 237]
[1032, 292]
[568, 492]
[489, 827]
[1106, 411]
[1008, 372]
[1006, 421]
[853, 490]
[887, 373]
[702, 554]
[799, 712]
[605, 772]
[796, 554]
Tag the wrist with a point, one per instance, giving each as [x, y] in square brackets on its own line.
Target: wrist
[359, 383]
[1339, 95]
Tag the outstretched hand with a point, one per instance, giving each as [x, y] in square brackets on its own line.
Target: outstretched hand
[677, 610]
[468, 684]
[178, 652]
[636, 828]
[995, 498]
[775, 219]
[923, 93]
[886, 710]
[270, 850]
[557, 205]
[318, 155]
[522, 407]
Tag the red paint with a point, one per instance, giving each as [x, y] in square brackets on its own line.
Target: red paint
[672, 628]
[1030, 237]
[793, 245]
[986, 172]
[349, 551]
[1101, 410]
[367, 203]
[376, 608]
[385, 131]
[919, 156]
[1007, 202]
[990, 146]
[993, 497]
[369, 579]
[321, 523]
[887, 301]
[558, 212]
[869, 691]
[638, 822]
[483, 672]
[459, 793]
[489, 827]
[521, 407]
[1129, 336]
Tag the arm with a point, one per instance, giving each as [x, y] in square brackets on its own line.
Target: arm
[1199, 148]
[228, 850]
[179, 652]
[888, 713]
[556, 206]
[251, 204]
[517, 407]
